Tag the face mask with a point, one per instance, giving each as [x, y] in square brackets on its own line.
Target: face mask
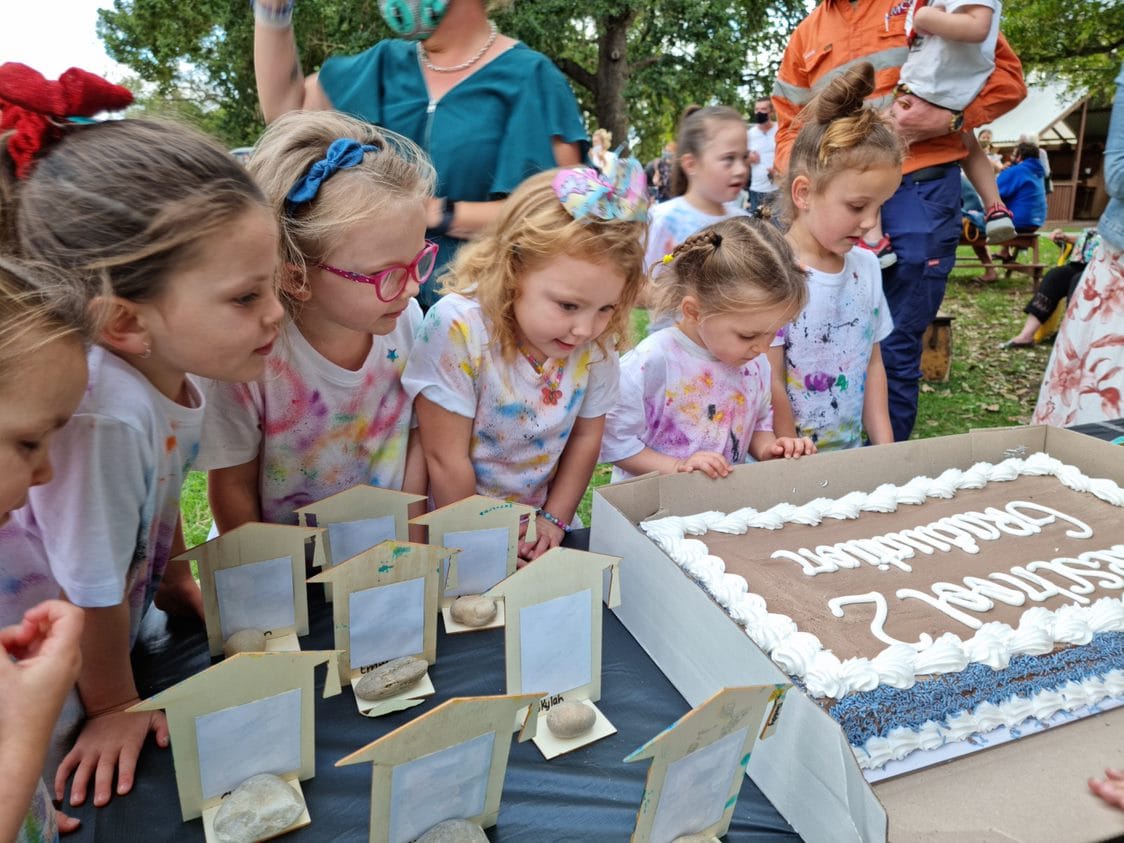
[761, 117]
[414, 20]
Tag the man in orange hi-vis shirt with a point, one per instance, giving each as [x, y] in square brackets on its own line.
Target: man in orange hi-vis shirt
[922, 218]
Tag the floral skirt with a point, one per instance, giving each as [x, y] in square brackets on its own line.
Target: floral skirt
[1085, 376]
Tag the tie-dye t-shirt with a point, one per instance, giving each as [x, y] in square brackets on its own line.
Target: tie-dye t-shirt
[827, 350]
[521, 423]
[103, 527]
[675, 220]
[676, 398]
[318, 428]
[40, 825]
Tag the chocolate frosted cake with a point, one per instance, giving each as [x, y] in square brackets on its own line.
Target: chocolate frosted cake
[933, 611]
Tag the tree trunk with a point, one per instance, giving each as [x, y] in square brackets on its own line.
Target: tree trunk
[612, 76]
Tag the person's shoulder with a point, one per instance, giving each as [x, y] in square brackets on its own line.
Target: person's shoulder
[662, 210]
[387, 52]
[865, 264]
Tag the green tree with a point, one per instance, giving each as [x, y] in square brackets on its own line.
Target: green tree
[634, 64]
[1079, 42]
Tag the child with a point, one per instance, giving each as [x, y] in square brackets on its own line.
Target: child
[845, 162]
[516, 369]
[42, 376]
[696, 397]
[180, 247]
[952, 53]
[710, 170]
[329, 412]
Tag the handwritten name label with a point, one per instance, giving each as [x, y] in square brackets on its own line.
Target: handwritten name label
[546, 702]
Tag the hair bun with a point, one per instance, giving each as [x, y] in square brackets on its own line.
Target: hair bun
[845, 94]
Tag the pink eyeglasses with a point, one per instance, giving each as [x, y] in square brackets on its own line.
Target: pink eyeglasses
[390, 282]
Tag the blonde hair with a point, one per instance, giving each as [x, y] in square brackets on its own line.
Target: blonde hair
[838, 132]
[37, 307]
[397, 171]
[120, 205]
[532, 228]
[732, 265]
[696, 128]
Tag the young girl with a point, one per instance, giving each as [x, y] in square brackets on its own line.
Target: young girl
[697, 397]
[516, 369]
[329, 412]
[179, 244]
[42, 376]
[710, 170]
[845, 162]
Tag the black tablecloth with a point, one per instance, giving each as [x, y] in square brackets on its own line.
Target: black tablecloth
[584, 795]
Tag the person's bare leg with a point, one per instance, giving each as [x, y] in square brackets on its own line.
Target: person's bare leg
[989, 268]
[1026, 335]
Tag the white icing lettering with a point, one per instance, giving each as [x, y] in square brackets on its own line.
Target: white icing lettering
[1010, 596]
[878, 623]
[1083, 530]
[1062, 567]
[941, 604]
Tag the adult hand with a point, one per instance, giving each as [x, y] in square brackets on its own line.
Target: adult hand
[918, 120]
[108, 743]
[710, 463]
[754, 157]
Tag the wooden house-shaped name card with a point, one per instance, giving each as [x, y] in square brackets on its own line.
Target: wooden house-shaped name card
[249, 714]
[253, 577]
[698, 764]
[552, 638]
[486, 532]
[385, 608]
[447, 764]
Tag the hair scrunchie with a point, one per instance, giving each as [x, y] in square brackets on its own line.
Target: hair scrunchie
[33, 107]
[343, 154]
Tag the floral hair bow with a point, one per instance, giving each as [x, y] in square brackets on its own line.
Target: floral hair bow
[343, 154]
[620, 193]
[35, 108]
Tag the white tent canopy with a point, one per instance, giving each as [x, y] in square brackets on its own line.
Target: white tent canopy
[1039, 114]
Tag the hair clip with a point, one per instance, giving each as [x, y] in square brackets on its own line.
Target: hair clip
[619, 193]
[343, 154]
[668, 258]
[35, 108]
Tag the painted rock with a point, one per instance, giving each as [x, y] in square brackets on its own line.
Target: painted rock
[570, 719]
[473, 609]
[262, 806]
[244, 641]
[391, 678]
[454, 831]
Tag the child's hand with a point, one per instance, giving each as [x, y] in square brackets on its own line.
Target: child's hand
[791, 447]
[179, 594]
[712, 464]
[108, 743]
[45, 646]
[547, 535]
[1110, 788]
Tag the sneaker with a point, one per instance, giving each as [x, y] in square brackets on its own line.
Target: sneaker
[882, 250]
[1000, 224]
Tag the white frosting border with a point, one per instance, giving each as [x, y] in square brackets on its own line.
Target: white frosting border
[802, 655]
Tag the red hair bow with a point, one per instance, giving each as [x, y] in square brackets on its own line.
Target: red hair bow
[33, 106]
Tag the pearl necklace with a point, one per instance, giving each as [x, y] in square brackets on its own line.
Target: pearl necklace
[423, 56]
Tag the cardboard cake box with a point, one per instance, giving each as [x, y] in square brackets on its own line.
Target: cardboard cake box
[1029, 789]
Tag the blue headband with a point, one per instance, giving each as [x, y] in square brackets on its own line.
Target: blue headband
[343, 154]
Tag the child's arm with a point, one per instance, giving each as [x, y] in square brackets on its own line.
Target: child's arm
[110, 740]
[234, 494]
[575, 468]
[876, 401]
[179, 594]
[970, 24]
[766, 445]
[45, 646]
[445, 439]
[979, 170]
[784, 421]
[711, 463]
[415, 480]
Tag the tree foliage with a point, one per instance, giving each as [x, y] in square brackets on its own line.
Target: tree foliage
[634, 64]
[1079, 42]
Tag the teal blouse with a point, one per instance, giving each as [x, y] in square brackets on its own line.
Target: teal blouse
[485, 136]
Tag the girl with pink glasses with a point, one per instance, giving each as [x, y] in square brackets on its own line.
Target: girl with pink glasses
[329, 412]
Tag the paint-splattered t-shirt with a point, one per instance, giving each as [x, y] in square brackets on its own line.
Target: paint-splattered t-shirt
[318, 428]
[828, 347]
[521, 419]
[103, 527]
[40, 825]
[674, 221]
[677, 399]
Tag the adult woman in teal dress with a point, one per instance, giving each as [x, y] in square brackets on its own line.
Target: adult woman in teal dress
[489, 110]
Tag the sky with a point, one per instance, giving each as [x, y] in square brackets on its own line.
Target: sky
[53, 35]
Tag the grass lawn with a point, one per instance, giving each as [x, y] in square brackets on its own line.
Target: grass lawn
[988, 387]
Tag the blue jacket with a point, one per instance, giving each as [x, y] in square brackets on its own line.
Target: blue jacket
[1022, 188]
[1111, 225]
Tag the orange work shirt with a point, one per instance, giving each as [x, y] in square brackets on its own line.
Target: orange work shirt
[838, 34]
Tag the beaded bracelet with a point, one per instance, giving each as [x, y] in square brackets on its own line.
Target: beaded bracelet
[279, 17]
[557, 522]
